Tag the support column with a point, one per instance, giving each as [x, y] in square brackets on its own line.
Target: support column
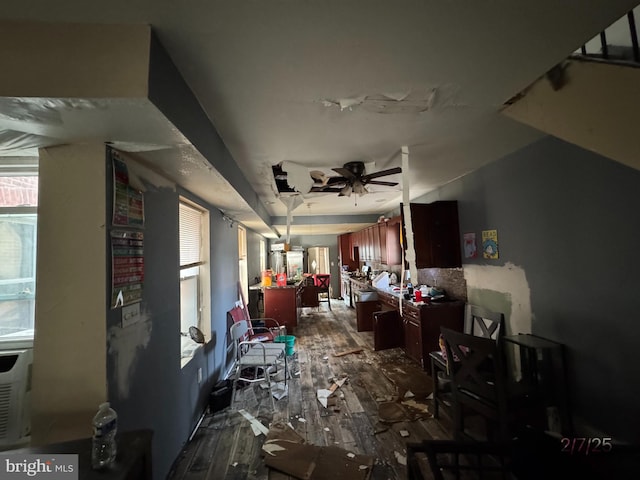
[70, 349]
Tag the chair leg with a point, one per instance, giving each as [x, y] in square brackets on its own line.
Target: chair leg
[267, 377]
[436, 392]
[234, 387]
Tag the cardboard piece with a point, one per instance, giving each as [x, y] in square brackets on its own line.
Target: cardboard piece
[286, 452]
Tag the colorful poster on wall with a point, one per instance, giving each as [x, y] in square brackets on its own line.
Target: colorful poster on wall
[470, 248]
[490, 244]
[127, 267]
[128, 203]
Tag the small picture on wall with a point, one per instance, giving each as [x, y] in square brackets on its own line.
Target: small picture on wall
[490, 244]
[470, 248]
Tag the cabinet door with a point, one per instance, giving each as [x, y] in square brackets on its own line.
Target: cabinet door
[394, 252]
[382, 243]
[421, 236]
[436, 234]
[444, 234]
[413, 334]
[412, 343]
[387, 330]
[376, 254]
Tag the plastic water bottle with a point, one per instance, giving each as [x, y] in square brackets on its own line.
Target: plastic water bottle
[105, 426]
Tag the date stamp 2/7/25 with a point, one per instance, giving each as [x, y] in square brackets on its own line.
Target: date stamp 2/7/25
[586, 445]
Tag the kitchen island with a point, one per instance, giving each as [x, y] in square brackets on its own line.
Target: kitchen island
[282, 303]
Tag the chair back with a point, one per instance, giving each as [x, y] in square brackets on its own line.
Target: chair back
[481, 322]
[478, 377]
[323, 280]
[239, 332]
[237, 314]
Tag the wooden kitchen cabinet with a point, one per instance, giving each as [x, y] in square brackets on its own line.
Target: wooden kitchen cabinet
[378, 243]
[282, 303]
[412, 333]
[436, 234]
[393, 248]
[347, 257]
[364, 315]
[417, 331]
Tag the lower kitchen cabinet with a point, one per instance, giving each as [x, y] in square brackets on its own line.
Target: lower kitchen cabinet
[418, 329]
[364, 315]
[281, 304]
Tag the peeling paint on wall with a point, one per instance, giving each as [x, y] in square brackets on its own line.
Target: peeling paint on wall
[124, 347]
[502, 289]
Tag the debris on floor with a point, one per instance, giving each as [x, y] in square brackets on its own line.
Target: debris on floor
[391, 412]
[402, 459]
[287, 452]
[323, 394]
[279, 390]
[257, 427]
[404, 433]
[348, 352]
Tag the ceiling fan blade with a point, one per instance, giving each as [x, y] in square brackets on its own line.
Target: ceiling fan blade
[334, 181]
[381, 173]
[378, 182]
[325, 190]
[345, 172]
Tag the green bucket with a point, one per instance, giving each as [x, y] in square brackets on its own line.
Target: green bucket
[289, 340]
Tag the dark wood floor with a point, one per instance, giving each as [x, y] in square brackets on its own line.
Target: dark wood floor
[224, 447]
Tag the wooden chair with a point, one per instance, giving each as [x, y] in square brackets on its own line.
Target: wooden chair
[255, 361]
[479, 385]
[478, 321]
[323, 286]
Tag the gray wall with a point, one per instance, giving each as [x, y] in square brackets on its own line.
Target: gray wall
[569, 218]
[146, 385]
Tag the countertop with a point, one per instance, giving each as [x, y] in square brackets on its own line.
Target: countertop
[259, 286]
[391, 290]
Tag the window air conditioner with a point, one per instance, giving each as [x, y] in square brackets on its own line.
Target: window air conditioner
[15, 396]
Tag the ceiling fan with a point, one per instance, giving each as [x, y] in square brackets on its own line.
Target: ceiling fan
[352, 178]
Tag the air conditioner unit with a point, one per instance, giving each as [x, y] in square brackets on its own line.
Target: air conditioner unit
[15, 395]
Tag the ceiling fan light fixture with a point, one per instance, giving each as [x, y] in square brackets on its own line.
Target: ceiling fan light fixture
[345, 192]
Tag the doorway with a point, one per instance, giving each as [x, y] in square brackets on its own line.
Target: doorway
[318, 260]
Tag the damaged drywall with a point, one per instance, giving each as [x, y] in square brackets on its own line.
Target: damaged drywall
[502, 289]
[415, 100]
[125, 345]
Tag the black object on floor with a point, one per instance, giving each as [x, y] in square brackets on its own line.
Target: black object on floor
[220, 397]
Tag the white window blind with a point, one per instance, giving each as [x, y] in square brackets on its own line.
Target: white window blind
[190, 235]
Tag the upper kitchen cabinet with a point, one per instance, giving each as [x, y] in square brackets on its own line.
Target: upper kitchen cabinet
[347, 253]
[436, 234]
[378, 243]
[392, 243]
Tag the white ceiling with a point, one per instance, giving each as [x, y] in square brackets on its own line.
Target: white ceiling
[304, 82]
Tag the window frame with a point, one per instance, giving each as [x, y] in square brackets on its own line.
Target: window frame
[202, 274]
[20, 168]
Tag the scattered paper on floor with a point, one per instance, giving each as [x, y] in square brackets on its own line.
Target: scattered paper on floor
[257, 427]
[402, 460]
[323, 394]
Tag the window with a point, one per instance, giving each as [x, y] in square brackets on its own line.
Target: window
[242, 256]
[194, 275]
[18, 234]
